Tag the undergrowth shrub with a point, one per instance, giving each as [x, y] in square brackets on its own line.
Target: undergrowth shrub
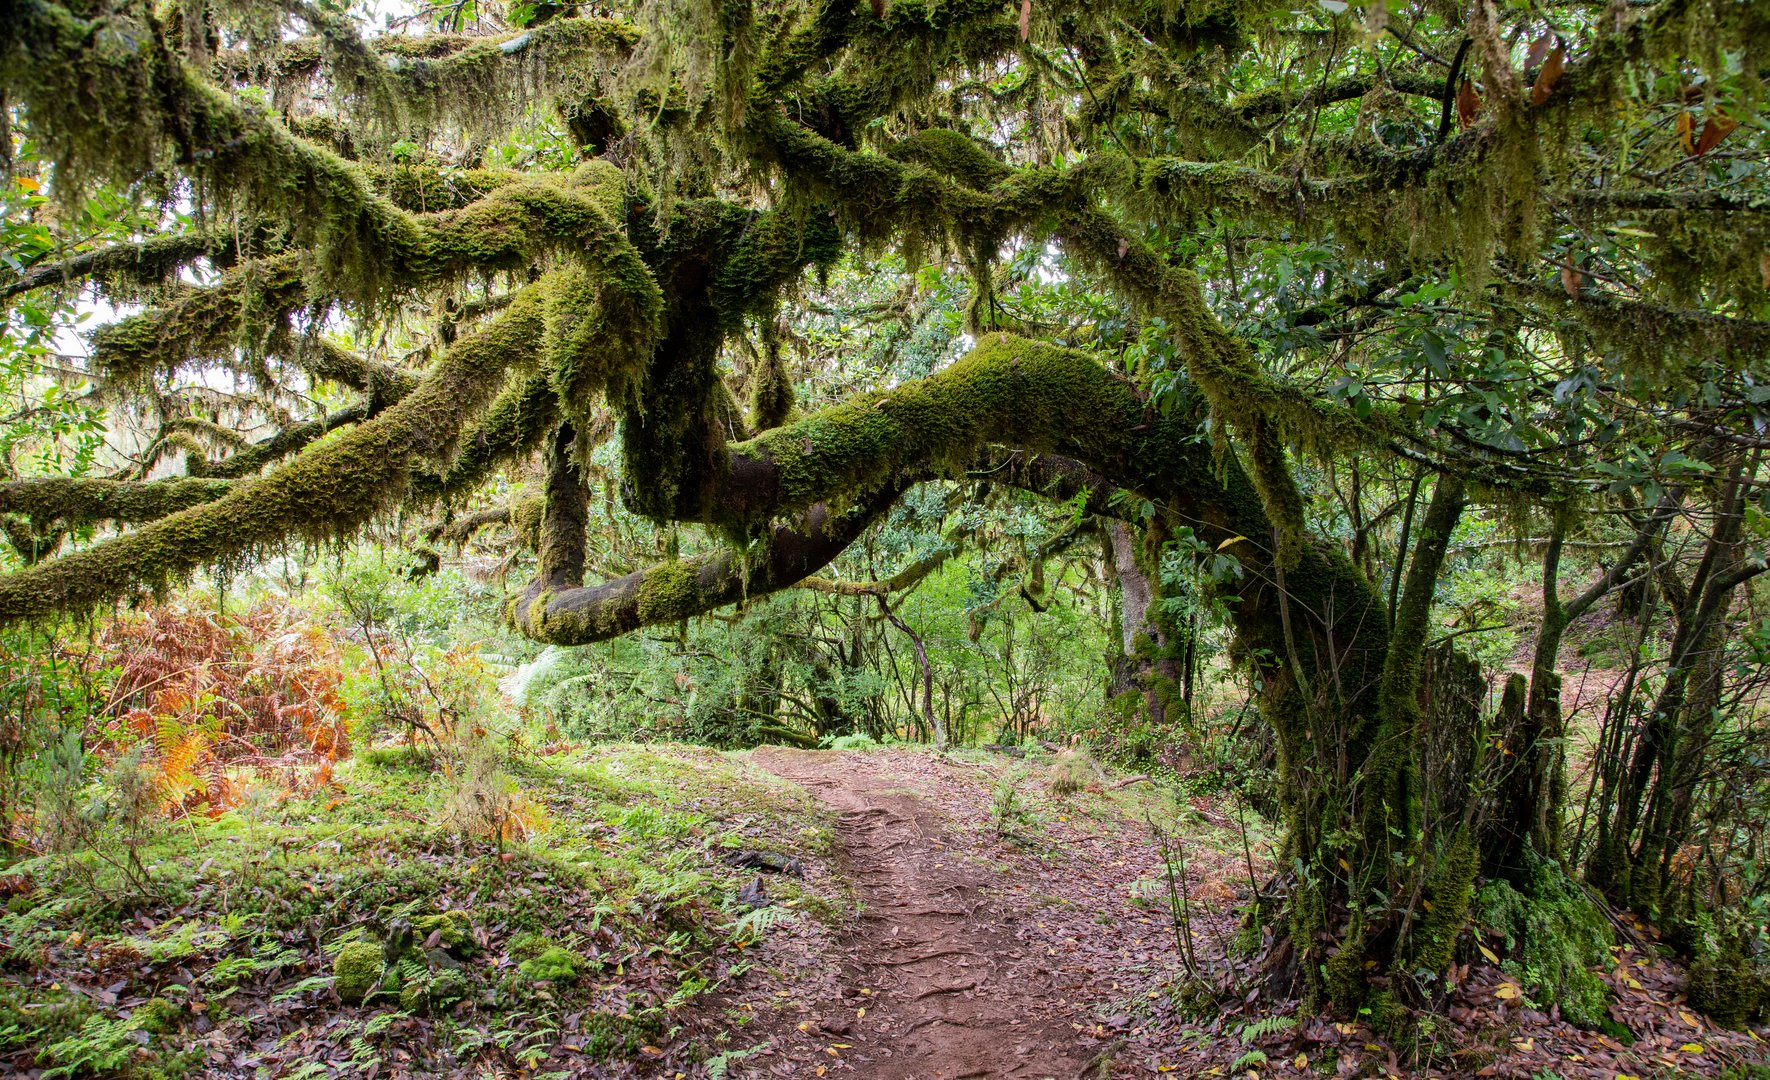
[1071, 771]
[482, 801]
[201, 696]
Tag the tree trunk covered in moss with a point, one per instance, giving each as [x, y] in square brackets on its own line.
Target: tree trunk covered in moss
[1151, 647]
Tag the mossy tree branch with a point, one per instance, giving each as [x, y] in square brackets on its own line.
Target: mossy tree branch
[74, 501]
[328, 492]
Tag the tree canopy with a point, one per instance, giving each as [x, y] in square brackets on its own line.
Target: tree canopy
[1516, 252]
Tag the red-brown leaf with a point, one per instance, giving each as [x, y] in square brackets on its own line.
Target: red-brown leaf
[1549, 75]
[1718, 127]
[1571, 279]
[1468, 103]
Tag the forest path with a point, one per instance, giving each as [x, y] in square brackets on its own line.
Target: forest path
[948, 989]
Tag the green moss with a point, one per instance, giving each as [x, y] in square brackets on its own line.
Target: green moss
[425, 190]
[669, 591]
[1450, 891]
[1554, 935]
[1343, 974]
[1727, 987]
[357, 971]
[954, 155]
[771, 388]
[158, 1016]
[552, 964]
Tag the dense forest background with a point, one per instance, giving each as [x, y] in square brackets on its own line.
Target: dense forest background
[434, 437]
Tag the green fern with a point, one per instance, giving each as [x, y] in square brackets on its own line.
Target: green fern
[718, 1064]
[1269, 1025]
[754, 926]
[1247, 1060]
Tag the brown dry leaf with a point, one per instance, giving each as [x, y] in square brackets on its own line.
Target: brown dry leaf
[1468, 103]
[878, 9]
[1549, 75]
[1687, 131]
[1025, 19]
[1718, 127]
[1764, 267]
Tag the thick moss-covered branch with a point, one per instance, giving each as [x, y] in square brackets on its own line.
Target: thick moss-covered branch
[462, 529]
[327, 492]
[237, 323]
[508, 229]
[425, 190]
[511, 430]
[110, 101]
[1669, 337]
[907, 578]
[1005, 391]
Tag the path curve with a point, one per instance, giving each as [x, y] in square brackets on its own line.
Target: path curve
[954, 993]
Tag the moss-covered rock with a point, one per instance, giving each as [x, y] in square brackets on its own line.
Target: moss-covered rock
[1726, 987]
[357, 971]
[1554, 937]
[455, 928]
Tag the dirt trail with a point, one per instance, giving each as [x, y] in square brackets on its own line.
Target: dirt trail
[954, 993]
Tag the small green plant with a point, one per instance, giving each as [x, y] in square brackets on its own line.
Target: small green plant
[1008, 809]
[859, 740]
[753, 926]
[100, 1046]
